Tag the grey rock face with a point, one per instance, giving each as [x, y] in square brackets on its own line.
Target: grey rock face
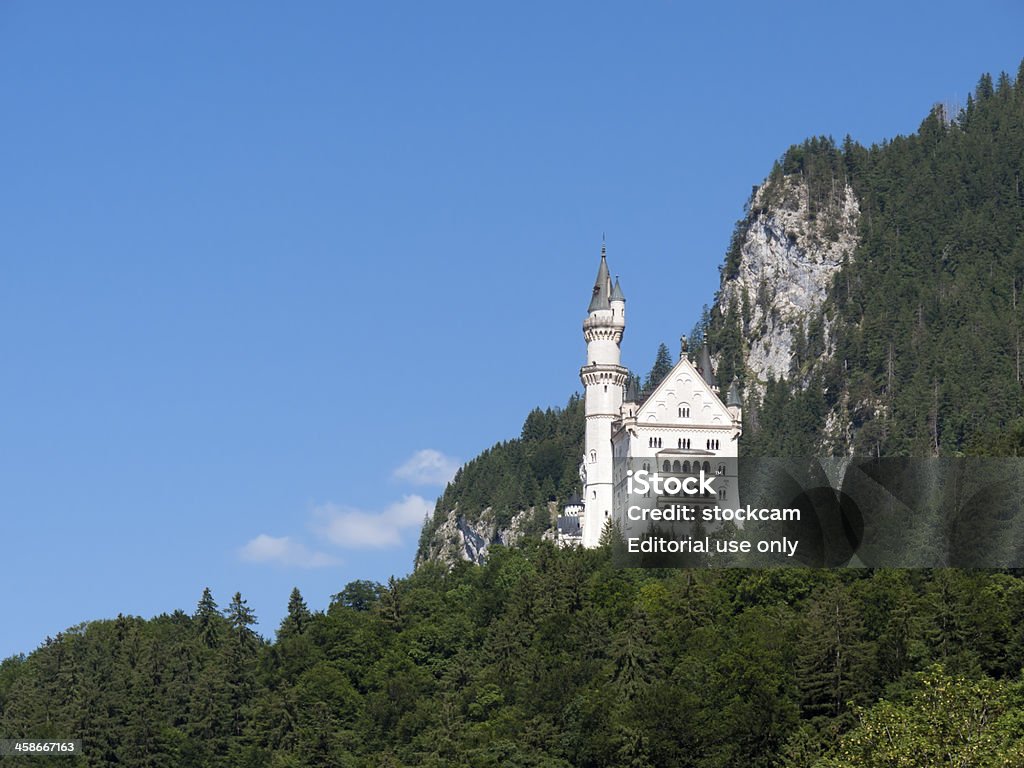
[788, 260]
[459, 539]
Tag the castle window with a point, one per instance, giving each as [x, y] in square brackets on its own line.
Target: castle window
[665, 467]
[684, 411]
[593, 456]
[721, 493]
[707, 467]
[686, 466]
[680, 442]
[720, 470]
[675, 466]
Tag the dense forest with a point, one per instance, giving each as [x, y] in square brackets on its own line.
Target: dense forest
[548, 657]
[925, 320]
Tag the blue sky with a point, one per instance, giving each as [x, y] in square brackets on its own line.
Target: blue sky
[270, 271]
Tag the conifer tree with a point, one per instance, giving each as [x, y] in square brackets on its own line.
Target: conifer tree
[208, 619]
[298, 616]
[661, 368]
[240, 620]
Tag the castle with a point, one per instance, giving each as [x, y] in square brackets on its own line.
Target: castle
[682, 426]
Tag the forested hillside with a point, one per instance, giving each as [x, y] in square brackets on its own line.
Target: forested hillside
[917, 348]
[546, 657]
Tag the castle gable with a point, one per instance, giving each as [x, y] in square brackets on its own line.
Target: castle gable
[684, 398]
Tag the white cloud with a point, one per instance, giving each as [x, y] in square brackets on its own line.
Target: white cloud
[428, 467]
[355, 529]
[283, 551]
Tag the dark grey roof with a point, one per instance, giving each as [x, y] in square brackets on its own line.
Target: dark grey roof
[569, 524]
[733, 398]
[574, 501]
[602, 286]
[617, 292]
[704, 364]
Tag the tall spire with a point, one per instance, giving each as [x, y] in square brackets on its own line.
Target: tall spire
[602, 285]
[704, 365]
[617, 291]
[733, 398]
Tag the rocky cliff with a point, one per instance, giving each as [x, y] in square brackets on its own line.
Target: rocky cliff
[458, 538]
[788, 256]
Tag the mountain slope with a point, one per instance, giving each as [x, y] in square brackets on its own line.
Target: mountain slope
[870, 303]
[892, 309]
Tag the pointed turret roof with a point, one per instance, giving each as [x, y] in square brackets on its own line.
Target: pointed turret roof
[704, 364]
[617, 291]
[733, 398]
[602, 285]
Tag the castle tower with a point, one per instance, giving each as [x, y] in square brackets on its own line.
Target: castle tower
[603, 381]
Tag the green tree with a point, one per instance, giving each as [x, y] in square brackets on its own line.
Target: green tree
[298, 617]
[208, 619]
[659, 370]
[945, 720]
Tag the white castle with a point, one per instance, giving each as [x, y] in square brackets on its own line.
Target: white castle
[682, 425]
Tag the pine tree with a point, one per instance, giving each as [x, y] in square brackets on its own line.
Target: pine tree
[240, 621]
[208, 619]
[298, 617]
[661, 368]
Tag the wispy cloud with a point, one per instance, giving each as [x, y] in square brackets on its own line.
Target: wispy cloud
[428, 467]
[357, 529]
[283, 551]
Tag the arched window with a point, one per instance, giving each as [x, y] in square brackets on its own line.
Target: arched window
[593, 456]
[686, 466]
[665, 466]
[707, 467]
[675, 466]
[721, 469]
